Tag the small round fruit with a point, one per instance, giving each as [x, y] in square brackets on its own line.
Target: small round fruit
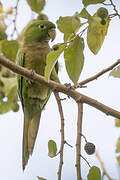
[102, 13]
[103, 22]
[89, 148]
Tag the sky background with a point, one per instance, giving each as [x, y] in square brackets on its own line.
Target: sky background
[97, 127]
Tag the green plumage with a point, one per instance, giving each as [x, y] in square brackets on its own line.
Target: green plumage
[32, 55]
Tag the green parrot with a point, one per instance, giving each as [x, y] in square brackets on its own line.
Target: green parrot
[32, 55]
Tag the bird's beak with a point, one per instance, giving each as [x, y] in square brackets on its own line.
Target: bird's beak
[52, 34]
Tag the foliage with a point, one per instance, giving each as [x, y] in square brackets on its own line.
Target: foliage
[95, 27]
[94, 173]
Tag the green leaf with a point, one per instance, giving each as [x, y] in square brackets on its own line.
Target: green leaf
[9, 49]
[52, 148]
[9, 103]
[96, 33]
[69, 25]
[117, 122]
[40, 178]
[115, 72]
[52, 59]
[8, 90]
[84, 14]
[118, 146]
[36, 5]
[94, 173]
[118, 159]
[88, 2]
[3, 27]
[74, 58]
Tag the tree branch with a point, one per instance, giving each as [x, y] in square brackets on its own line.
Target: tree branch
[78, 140]
[62, 134]
[57, 87]
[15, 19]
[114, 7]
[102, 165]
[98, 74]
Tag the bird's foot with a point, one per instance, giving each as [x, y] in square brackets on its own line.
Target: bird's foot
[69, 86]
[32, 72]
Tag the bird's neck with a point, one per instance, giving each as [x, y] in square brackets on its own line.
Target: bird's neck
[35, 45]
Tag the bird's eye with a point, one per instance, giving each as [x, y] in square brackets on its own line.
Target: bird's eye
[42, 26]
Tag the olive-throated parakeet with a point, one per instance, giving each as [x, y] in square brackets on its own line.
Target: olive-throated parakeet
[32, 55]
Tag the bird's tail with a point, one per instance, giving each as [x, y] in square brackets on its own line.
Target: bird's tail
[29, 135]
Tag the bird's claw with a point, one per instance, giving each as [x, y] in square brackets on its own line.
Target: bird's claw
[68, 85]
[32, 72]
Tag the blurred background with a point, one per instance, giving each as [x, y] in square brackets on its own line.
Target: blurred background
[97, 127]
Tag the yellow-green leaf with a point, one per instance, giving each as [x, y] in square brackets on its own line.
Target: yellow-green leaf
[36, 5]
[3, 27]
[88, 2]
[40, 178]
[1, 8]
[8, 94]
[69, 25]
[52, 148]
[94, 173]
[118, 159]
[52, 58]
[9, 49]
[74, 58]
[84, 14]
[9, 102]
[117, 122]
[118, 146]
[115, 72]
[96, 33]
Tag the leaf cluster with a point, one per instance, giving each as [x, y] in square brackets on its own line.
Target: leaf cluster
[73, 27]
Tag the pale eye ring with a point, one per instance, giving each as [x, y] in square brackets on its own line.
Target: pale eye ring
[42, 26]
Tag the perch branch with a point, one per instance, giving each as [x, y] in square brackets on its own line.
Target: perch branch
[102, 165]
[57, 87]
[62, 135]
[98, 74]
[78, 140]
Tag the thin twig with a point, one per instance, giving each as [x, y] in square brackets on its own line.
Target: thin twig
[78, 140]
[84, 138]
[106, 4]
[68, 144]
[15, 19]
[98, 74]
[114, 7]
[57, 87]
[102, 165]
[62, 134]
[86, 161]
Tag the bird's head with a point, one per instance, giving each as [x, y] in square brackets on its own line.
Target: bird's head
[39, 31]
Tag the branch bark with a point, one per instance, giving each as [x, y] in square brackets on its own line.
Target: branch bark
[102, 165]
[78, 140]
[57, 87]
[62, 134]
[98, 74]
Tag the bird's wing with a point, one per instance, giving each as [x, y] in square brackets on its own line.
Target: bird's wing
[20, 60]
